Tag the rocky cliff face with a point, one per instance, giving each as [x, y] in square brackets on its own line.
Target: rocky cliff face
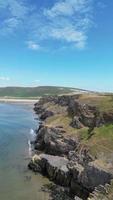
[59, 155]
[51, 140]
[82, 114]
[102, 192]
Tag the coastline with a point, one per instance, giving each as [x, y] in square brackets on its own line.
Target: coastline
[19, 100]
[61, 156]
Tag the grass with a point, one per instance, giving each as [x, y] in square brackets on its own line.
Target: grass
[102, 102]
[40, 91]
[61, 120]
[101, 142]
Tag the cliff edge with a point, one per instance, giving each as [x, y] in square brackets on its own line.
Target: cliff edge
[73, 145]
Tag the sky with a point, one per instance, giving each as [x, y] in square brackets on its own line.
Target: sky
[57, 42]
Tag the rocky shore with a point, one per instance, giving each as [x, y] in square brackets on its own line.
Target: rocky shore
[60, 153]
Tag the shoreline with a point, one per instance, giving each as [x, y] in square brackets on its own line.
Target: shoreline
[19, 100]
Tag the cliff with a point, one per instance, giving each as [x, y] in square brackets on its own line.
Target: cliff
[69, 144]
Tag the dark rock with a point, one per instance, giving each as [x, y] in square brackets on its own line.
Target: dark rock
[94, 176]
[71, 166]
[81, 156]
[108, 117]
[52, 141]
[60, 127]
[82, 114]
[76, 123]
[54, 167]
[46, 114]
[57, 192]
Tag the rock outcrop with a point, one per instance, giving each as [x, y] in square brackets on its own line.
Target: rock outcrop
[81, 180]
[82, 114]
[102, 192]
[60, 156]
[51, 141]
[54, 167]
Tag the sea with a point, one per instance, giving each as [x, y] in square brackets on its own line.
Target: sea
[17, 130]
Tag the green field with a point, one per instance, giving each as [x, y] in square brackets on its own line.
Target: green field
[27, 92]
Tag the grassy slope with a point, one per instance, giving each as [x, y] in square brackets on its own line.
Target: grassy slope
[26, 92]
[104, 102]
[101, 141]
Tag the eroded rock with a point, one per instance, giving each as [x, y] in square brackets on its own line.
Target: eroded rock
[52, 141]
[54, 167]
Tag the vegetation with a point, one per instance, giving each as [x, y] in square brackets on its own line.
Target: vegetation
[34, 92]
[104, 102]
[99, 140]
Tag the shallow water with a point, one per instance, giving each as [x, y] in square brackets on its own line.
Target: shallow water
[16, 129]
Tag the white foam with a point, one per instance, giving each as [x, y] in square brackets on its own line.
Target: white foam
[30, 148]
[32, 135]
[32, 132]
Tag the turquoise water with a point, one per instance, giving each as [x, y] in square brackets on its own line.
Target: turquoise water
[16, 181]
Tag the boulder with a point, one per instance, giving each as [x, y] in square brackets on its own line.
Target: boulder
[93, 176]
[54, 167]
[89, 176]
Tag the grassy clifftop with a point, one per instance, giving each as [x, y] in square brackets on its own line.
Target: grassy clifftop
[100, 140]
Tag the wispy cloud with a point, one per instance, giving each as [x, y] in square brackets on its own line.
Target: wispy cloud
[68, 8]
[14, 15]
[3, 78]
[66, 22]
[33, 45]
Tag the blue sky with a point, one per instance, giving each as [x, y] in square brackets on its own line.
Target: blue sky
[57, 42]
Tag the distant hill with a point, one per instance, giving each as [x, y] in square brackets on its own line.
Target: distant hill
[33, 92]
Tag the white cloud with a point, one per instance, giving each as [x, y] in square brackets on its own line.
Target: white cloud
[3, 78]
[33, 46]
[15, 13]
[67, 8]
[14, 8]
[18, 8]
[66, 22]
[70, 35]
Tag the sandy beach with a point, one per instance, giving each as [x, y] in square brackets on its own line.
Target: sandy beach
[23, 101]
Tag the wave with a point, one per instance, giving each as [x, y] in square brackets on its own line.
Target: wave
[30, 148]
[32, 132]
[32, 135]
